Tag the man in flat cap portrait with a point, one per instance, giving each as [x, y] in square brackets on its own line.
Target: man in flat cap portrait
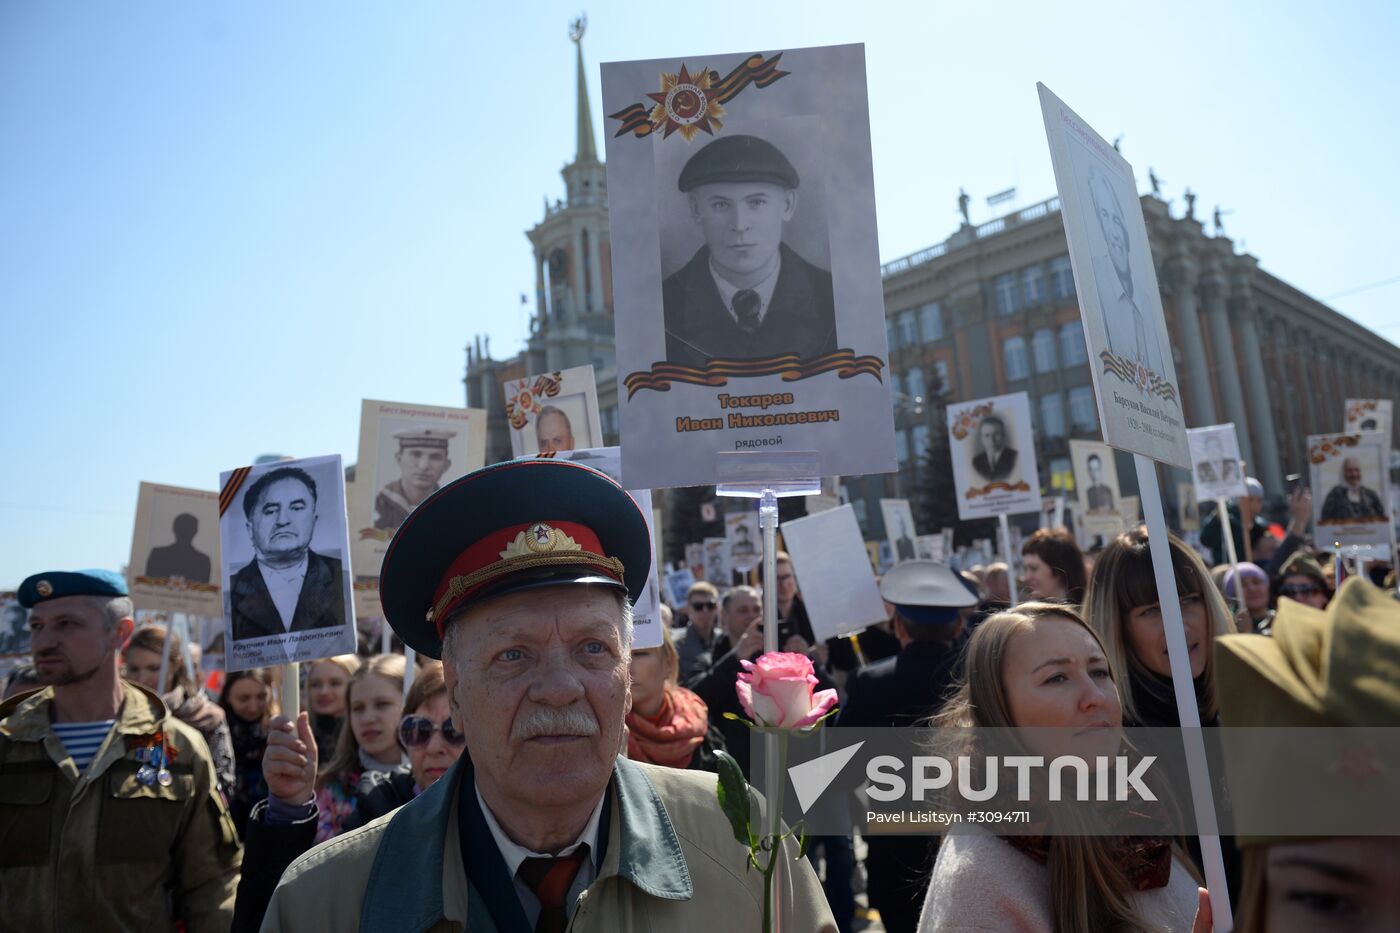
[745, 294]
[422, 459]
[287, 587]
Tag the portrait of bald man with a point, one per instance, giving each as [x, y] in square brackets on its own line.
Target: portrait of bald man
[553, 432]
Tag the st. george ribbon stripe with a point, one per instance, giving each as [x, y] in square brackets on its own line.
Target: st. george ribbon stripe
[787, 365]
[230, 490]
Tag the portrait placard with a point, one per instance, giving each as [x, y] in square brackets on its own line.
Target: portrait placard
[1215, 462]
[899, 529]
[1134, 375]
[695, 559]
[14, 626]
[678, 584]
[930, 547]
[1095, 478]
[554, 411]
[284, 539]
[829, 559]
[1349, 481]
[175, 551]
[748, 301]
[717, 562]
[743, 544]
[993, 449]
[646, 612]
[1188, 508]
[1369, 414]
[407, 453]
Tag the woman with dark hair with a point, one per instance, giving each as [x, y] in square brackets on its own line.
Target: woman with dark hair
[247, 702]
[1300, 579]
[1053, 566]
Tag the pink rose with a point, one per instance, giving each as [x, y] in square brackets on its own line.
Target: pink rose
[776, 690]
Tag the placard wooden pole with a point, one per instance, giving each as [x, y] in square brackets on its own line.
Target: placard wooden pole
[1006, 542]
[1179, 655]
[165, 659]
[1222, 508]
[291, 690]
[777, 779]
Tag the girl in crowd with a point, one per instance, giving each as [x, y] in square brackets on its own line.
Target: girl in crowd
[1039, 665]
[247, 702]
[284, 826]
[1123, 607]
[1053, 566]
[1248, 587]
[326, 683]
[1311, 884]
[368, 742]
[668, 724]
[142, 658]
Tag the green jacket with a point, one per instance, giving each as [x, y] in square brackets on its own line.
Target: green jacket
[100, 850]
[671, 863]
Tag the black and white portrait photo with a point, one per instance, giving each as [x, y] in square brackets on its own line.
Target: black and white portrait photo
[14, 626]
[175, 550]
[995, 460]
[994, 464]
[1095, 476]
[285, 540]
[1215, 459]
[422, 459]
[1352, 498]
[899, 529]
[746, 291]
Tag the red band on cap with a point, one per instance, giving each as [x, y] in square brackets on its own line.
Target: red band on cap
[517, 548]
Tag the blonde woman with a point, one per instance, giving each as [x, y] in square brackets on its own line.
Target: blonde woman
[368, 741]
[1124, 609]
[1039, 665]
[667, 724]
[327, 681]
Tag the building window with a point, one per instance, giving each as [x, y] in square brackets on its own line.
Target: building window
[909, 329]
[891, 333]
[1083, 412]
[1005, 287]
[914, 383]
[1013, 354]
[920, 442]
[931, 322]
[858, 505]
[901, 448]
[944, 382]
[1052, 415]
[896, 387]
[1043, 348]
[1032, 285]
[1072, 344]
[1061, 474]
[1061, 278]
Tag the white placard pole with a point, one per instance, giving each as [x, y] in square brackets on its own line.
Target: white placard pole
[385, 636]
[291, 690]
[410, 667]
[773, 787]
[186, 651]
[1179, 655]
[165, 659]
[1222, 508]
[1005, 541]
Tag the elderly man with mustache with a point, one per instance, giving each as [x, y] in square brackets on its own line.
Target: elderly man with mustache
[520, 576]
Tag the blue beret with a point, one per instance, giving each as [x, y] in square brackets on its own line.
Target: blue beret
[57, 584]
[738, 158]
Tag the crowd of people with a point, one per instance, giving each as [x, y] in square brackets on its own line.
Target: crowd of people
[172, 807]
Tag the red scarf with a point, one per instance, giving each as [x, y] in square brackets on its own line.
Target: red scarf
[671, 736]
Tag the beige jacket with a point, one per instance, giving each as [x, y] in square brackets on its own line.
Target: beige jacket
[670, 863]
[101, 851]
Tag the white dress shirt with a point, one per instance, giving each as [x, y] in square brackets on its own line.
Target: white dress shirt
[514, 855]
[284, 586]
[764, 289]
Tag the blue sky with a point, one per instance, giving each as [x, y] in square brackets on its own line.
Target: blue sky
[225, 224]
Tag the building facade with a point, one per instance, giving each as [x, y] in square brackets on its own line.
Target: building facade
[990, 310]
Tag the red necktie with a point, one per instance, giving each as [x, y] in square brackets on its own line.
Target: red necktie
[550, 880]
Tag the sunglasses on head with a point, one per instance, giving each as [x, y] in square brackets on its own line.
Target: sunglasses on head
[417, 731]
[1294, 590]
[703, 606]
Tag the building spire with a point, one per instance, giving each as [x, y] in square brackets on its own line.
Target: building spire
[587, 151]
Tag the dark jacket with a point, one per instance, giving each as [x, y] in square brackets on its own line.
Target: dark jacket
[800, 319]
[995, 471]
[1212, 538]
[900, 691]
[320, 605]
